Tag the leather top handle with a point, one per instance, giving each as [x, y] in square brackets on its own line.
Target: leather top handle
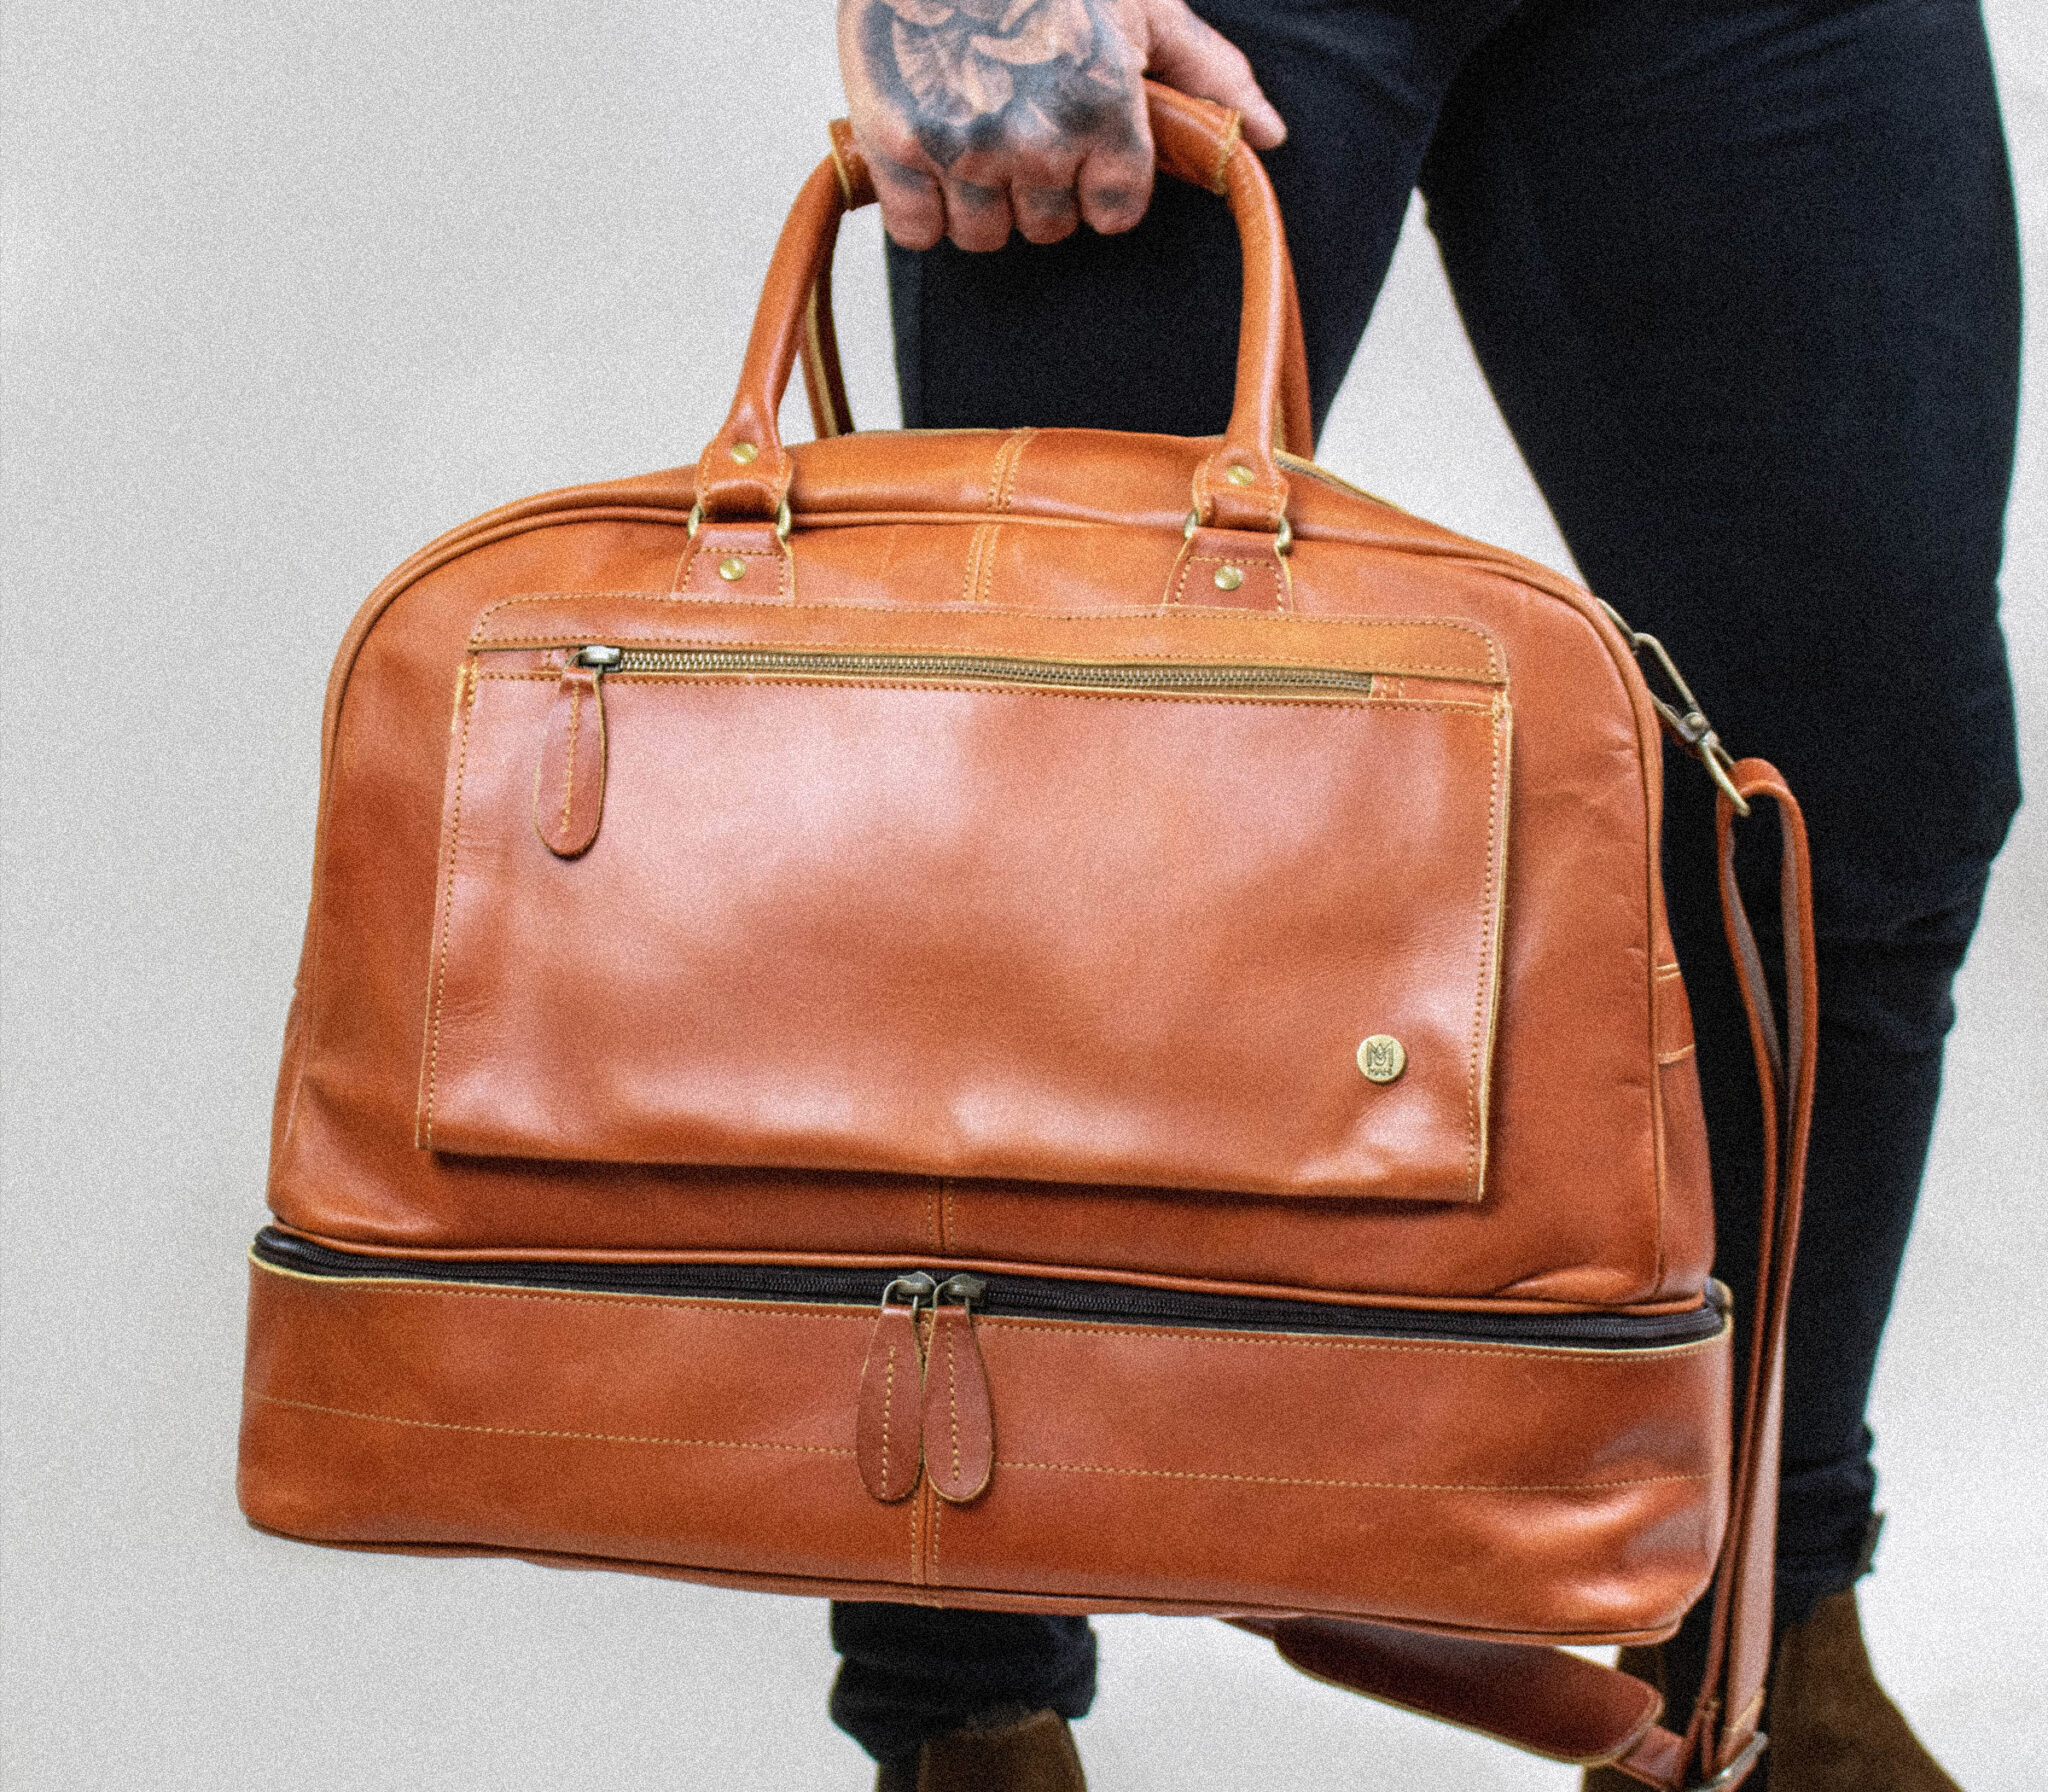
[744, 475]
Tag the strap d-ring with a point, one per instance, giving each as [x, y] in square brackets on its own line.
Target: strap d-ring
[1283, 537]
[782, 520]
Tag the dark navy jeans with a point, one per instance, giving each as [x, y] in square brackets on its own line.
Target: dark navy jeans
[1743, 277]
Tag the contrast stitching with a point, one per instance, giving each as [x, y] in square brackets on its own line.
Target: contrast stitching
[973, 577]
[888, 1399]
[953, 1402]
[1218, 176]
[596, 1437]
[569, 767]
[447, 911]
[681, 1305]
[988, 564]
[1184, 1474]
[979, 688]
[1129, 615]
[1619, 1359]
[1433, 669]
[1015, 450]
[1473, 1167]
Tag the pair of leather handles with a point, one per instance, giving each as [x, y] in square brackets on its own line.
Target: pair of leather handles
[744, 475]
[1544, 1700]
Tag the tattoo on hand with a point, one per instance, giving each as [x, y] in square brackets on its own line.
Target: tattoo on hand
[969, 74]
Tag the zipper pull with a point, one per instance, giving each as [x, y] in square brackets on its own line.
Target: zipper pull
[959, 1419]
[885, 1436]
[568, 790]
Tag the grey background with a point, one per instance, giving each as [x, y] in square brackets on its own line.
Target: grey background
[292, 288]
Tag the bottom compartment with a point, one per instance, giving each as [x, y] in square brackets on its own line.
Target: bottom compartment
[1547, 1491]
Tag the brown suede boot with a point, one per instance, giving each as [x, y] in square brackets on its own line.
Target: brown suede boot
[1832, 1727]
[1035, 1753]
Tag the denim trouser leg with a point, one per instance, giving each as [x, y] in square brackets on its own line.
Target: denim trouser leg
[1744, 280]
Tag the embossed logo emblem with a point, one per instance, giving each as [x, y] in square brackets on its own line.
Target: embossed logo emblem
[1382, 1058]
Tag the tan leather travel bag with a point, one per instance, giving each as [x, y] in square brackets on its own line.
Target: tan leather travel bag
[1049, 1020]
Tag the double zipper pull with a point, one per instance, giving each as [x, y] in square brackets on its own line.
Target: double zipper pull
[887, 1430]
[959, 1419]
[568, 787]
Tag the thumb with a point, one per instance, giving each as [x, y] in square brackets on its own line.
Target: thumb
[1195, 58]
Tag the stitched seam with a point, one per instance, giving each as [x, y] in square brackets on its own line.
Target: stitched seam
[1018, 443]
[1218, 176]
[597, 1437]
[1380, 622]
[888, 1395]
[931, 1216]
[569, 768]
[977, 689]
[973, 576]
[1185, 1474]
[683, 643]
[1620, 1359]
[953, 1402]
[1363, 700]
[988, 565]
[949, 1232]
[1473, 1168]
[447, 910]
[682, 1305]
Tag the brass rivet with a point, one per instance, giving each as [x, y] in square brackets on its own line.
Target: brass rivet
[1240, 475]
[744, 453]
[1382, 1058]
[732, 567]
[1228, 578]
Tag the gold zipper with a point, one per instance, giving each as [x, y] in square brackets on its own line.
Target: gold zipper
[1083, 675]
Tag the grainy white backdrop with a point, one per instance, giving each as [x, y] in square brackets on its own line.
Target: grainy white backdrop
[290, 288]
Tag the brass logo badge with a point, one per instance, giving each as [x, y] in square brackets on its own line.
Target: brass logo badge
[1382, 1058]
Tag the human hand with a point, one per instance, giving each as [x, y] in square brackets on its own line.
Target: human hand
[975, 115]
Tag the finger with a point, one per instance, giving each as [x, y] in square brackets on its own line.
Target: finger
[1045, 214]
[913, 208]
[1042, 196]
[1195, 58]
[1115, 184]
[977, 216]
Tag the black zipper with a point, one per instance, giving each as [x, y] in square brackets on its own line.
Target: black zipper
[1016, 1297]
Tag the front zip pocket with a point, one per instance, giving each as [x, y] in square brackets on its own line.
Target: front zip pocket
[924, 1405]
[1168, 902]
[569, 783]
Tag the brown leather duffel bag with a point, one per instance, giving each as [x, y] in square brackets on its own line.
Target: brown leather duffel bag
[1048, 1020]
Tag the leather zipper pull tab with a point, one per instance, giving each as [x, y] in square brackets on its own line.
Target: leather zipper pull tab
[887, 1433]
[568, 789]
[959, 1418]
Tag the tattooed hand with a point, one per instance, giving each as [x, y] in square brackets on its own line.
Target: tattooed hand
[977, 114]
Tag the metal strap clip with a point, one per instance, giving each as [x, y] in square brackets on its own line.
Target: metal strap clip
[1688, 724]
[1736, 1769]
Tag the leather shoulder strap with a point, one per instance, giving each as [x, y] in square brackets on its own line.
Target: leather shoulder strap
[1559, 1705]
